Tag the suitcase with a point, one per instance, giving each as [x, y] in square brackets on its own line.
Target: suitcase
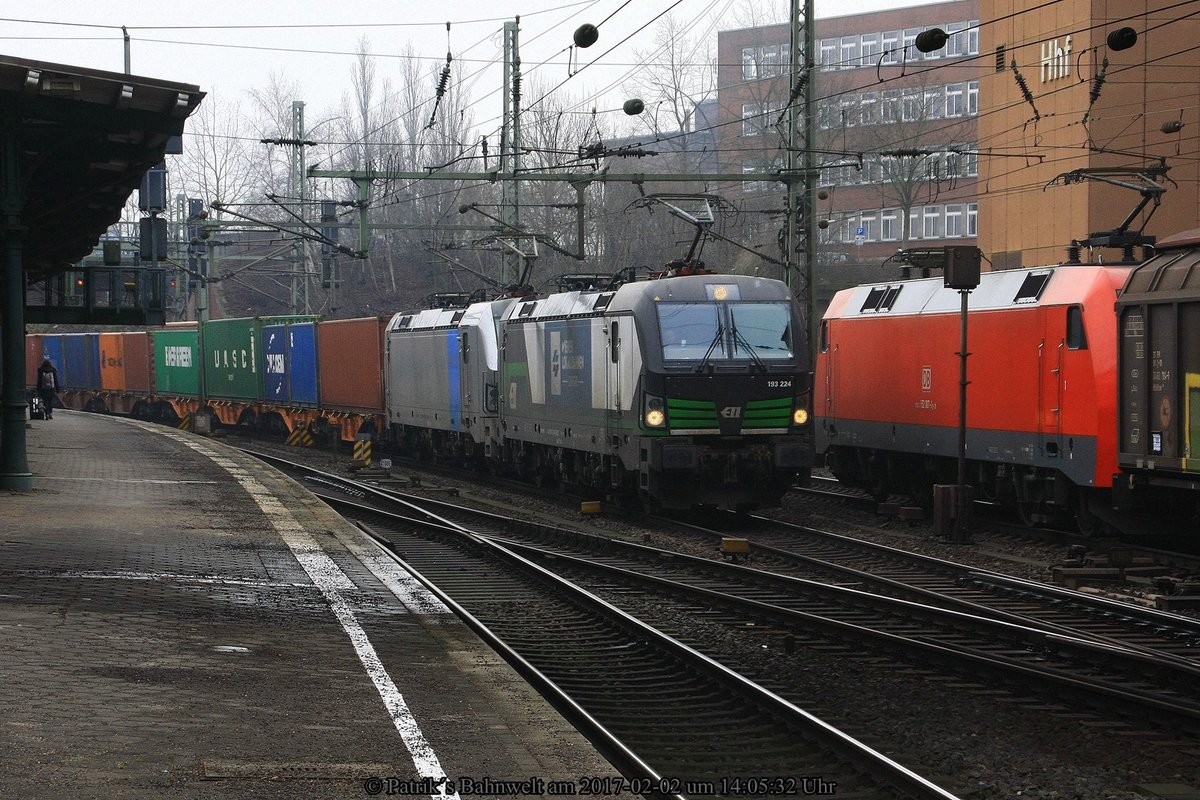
[37, 409]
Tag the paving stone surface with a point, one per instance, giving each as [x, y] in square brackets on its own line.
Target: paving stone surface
[159, 638]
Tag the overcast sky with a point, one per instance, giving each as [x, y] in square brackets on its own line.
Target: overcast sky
[229, 47]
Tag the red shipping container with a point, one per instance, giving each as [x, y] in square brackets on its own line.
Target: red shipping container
[33, 358]
[350, 363]
[137, 362]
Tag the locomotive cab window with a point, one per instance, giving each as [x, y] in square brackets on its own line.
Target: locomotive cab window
[725, 331]
[760, 329]
[1076, 337]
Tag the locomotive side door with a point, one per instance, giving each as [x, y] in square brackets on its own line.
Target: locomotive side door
[1050, 379]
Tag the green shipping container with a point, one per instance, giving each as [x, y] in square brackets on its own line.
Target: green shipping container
[177, 363]
[233, 356]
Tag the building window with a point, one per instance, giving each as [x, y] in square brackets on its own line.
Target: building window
[870, 226]
[869, 108]
[849, 110]
[829, 50]
[768, 65]
[751, 119]
[825, 115]
[889, 108]
[750, 186]
[935, 102]
[869, 49]
[891, 47]
[970, 164]
[932, 219]
[849, 52]
[910, 43]
[757, 118]
[972, 219]
[956, 45]
[749, 63]
[888, 231]
[954, 221]
[914, 223]
[956, 99]
[973, 38]
[972, 98]
[910, 101]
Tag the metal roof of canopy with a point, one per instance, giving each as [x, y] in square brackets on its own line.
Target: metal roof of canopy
[85, 138]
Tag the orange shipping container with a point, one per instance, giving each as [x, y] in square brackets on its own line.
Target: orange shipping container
[112, 362]
[350, 363]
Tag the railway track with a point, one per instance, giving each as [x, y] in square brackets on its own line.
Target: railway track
[804, 551]
[674, 720]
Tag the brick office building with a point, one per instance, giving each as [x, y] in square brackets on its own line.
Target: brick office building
[897, 136]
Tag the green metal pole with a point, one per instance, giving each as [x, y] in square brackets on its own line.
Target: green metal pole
[14, 461]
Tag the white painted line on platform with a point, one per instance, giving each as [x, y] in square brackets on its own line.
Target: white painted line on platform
[407, 589]
[332, 582]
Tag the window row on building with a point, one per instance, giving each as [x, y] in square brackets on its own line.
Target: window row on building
[863, 50]
[951, 162]
[912, 104]
[895, 47]
[954, 161]
[855, 109]
[951, 221]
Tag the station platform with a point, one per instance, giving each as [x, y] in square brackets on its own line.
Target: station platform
[178, 620]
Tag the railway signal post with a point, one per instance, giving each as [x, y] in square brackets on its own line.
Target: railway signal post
[961, 273]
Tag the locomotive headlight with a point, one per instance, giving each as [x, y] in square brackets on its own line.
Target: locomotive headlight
[655, 414]
[800, 416]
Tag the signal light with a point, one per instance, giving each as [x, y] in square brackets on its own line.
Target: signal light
[800, 416]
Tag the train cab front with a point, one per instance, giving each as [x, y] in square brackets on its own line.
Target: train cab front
[725, 405]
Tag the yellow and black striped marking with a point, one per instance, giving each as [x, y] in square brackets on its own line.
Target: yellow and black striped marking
[185, 422]
[362, 449]
[301, 437]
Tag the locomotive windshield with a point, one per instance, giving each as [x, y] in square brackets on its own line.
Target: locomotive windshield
[725, 331]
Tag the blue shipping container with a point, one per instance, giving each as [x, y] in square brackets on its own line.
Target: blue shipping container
[275, 370]
[52, 349]
[81, 361]
[290, 358]
[302, 362]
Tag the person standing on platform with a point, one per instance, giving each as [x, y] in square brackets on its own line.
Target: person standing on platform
[47, 386]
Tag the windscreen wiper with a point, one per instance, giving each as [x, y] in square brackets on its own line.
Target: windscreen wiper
[711, 347]
[739, 339]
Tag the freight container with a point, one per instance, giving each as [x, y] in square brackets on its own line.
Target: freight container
[137, 361]
[177, 362]
[350, 356]
[112, 362]
[34, 353]
[52, 348]
[290, 363]
[233, 355]
[81, 361]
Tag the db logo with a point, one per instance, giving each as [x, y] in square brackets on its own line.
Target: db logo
[926, 379]
[731, 412]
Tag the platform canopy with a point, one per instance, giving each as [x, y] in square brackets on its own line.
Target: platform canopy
[84, 140]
